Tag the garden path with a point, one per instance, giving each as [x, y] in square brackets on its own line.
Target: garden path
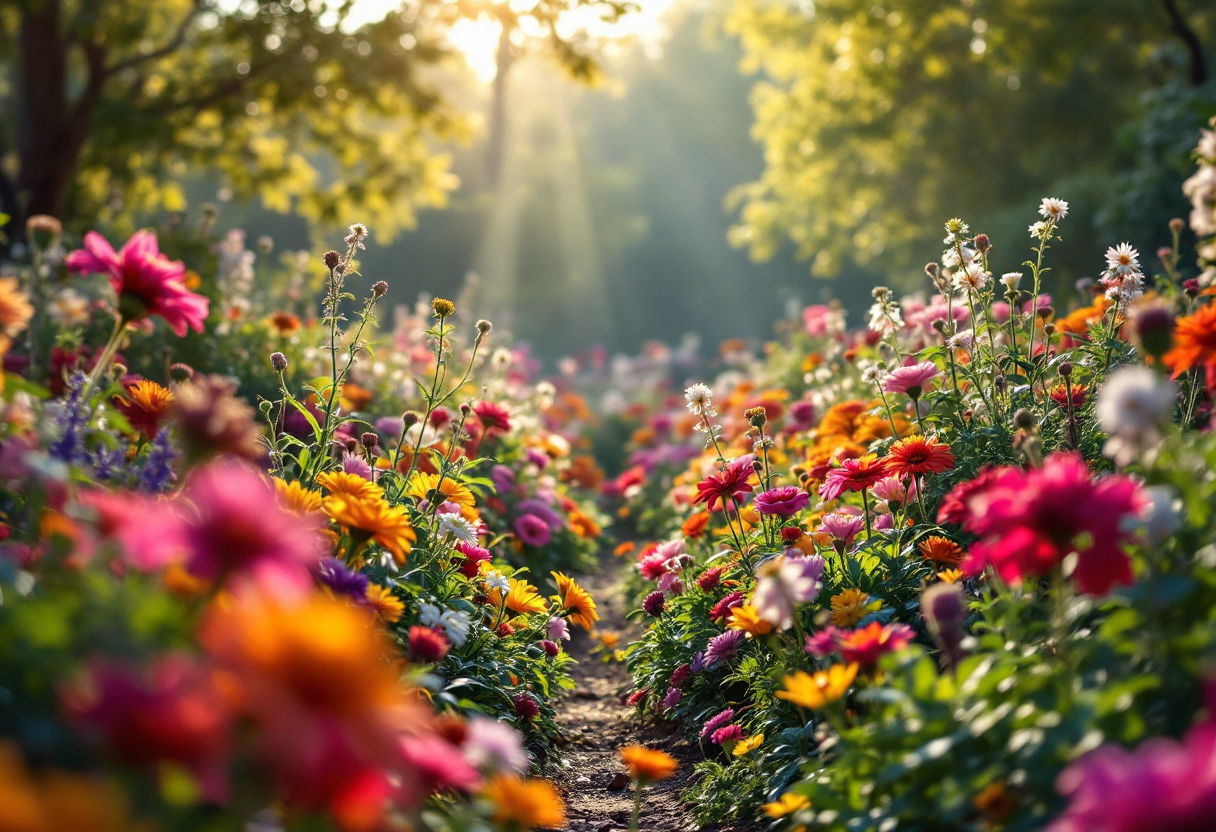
[597, 723]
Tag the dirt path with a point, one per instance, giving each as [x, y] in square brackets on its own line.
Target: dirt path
[597, 724]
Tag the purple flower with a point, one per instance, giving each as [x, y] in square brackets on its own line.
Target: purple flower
[532, 530]
[356, 465]
[672, 698]
[334, 574]
[537, 457]
[698, 662]
[655, 603]
[824, 642]
[157, 473]
[842, 528]
[785, 501]
[717, 721]
[504, 479]
[542, 510]
[723, 648]
[558, 629]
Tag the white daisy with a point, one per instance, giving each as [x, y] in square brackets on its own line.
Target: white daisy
[1011, 280]
[700, 400]
[457, 527]
[1132, 405]
[497, 580]
[1123, 259]
[1040, 230]
[1053, 209]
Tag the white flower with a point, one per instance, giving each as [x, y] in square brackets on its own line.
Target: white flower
[430, 615]
[455, 624]
[1160, 516]
[497, 580]
[490, 744]
[971, 279]
[886, 318]
[700, 400]
[1011, 280]
[457, 527]
[501, 359]
[1040, 230]
[780, 591]
[950, 256]
[1123, 259]
[1132, 405]
[1053, 209]
[1124, 288]
[358, 233]
[962, 340]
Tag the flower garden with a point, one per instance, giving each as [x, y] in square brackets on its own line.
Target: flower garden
[274, 560]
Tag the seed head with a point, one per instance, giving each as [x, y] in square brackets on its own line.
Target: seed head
[278, 361]
[332, 259]
[379, 289]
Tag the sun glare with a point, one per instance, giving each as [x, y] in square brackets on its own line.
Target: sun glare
[477, 40]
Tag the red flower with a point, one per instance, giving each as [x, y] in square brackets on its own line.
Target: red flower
[721, 610]
[729, 484]
[495, 418]
[853, 475]
[474, 555]
[427, 645]
[146, 282]
[1029, 521]
[526, 707]
[1059, 394]
[865, 646]
[954, 505]
[917, 455]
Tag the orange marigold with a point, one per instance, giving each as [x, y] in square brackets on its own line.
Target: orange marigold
[1195, 344]
[941, 550]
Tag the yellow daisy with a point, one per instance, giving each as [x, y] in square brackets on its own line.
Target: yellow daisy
[849, 607]
[422, 484]
[342, 484]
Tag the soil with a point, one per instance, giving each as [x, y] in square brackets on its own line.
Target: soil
[597, 723]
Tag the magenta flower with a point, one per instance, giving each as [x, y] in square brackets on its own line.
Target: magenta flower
[891, 491]
[655, 603]
[532, 530]
[785, 501]
[911, 380]
[672, 698]
[1163, 784]
[727, 733]
[717, 721]
[824, 643]
[1029, 521]
[145, 281]
[723, 647]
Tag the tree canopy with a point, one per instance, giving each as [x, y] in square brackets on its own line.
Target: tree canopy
[104, 107]
[879, 119]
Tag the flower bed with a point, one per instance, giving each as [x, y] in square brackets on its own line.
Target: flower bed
[338, 601]
[953, 570]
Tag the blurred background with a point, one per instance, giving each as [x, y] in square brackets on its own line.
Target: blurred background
[602, 173]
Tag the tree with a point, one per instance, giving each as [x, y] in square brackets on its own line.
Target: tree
[105, 106]
[880, 120]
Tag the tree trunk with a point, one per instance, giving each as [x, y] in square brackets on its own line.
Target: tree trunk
[51, 129]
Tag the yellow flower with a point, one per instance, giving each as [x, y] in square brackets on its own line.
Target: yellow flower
[747, 744]
[610, 640]
[745, 617]
[820, 689]
[422, 484]
[342, 484]
[374, 520]
[521, 598]
[387, 605]
[949, 576]
[144, 404]
[787, 804]
[647, 765]
[579, 605]
[296, 498]
[849, 607]
[527, 804]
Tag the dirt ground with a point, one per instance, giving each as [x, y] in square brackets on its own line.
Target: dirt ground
[597, 724]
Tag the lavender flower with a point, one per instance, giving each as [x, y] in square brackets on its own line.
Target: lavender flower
[71, 421]
[723, 648]
[157, 473]
[334, 574]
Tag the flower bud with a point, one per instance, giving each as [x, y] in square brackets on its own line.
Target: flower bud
[278, 361]
[931, 270]
[379, 289]
[370, 440]
[351, 446]
[465, 408]
[181, 372]
[1165, 254]
[1024, 419]
[1191, 288]
[332, 259]
[1153, 328]
[1066, 368]
[43, 230]
[1049, 329]
[484, 326]
[411, 418]
[945, 609]
[982, 243]
[1176, 225]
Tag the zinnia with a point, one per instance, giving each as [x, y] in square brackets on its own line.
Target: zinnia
[727, 486]
[145, 281]
[867, 645]
[853, 475]
[532, 530]
[915, 456]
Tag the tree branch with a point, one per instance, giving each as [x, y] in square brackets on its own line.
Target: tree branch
[175, 43]
[1194, 47]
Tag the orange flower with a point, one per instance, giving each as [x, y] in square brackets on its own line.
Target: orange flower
[52, 800]
[647, 765]
[421, 485]
[579, 605]
[695, 526]
[342, 484]
[145, 404]
[525, 804]
[626, 548]
[918, 455]
[297, 499]
[387, 605]
[815, 691]
[941, 550]
[584, 526]
[15, 308]
[746, 618]
[285, 322]
[374, 520]
[1195, 344]
[353, 397]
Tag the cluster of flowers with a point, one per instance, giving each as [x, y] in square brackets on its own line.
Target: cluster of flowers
[300, 612]
[951, 571]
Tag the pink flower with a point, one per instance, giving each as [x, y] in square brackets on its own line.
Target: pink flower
[494, 745]
[557, 629]
[717, 721]
[727, 734]
[437, 765]
[785, 501]
[867, 645]
[816, 318]
[912, 379]
[474, 556]
[653, 566]
[672, 698]
[525, 706]
[654, 604]
[824, 643]
[721, 611]
[427, 644]
[1163, 784]
[670, 584]
[532, 530]
[239, 528]
[1029, 521]
[891, 491]
[852, 475]
[842, 528]
[145, 281]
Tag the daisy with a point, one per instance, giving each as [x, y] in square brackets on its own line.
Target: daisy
[1123, 259]
[456, 527]
[358, 233]
[699, 398]
[496, 580]
[1132, 406]
[853, 475]
[1053, 209]
[915, 456]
